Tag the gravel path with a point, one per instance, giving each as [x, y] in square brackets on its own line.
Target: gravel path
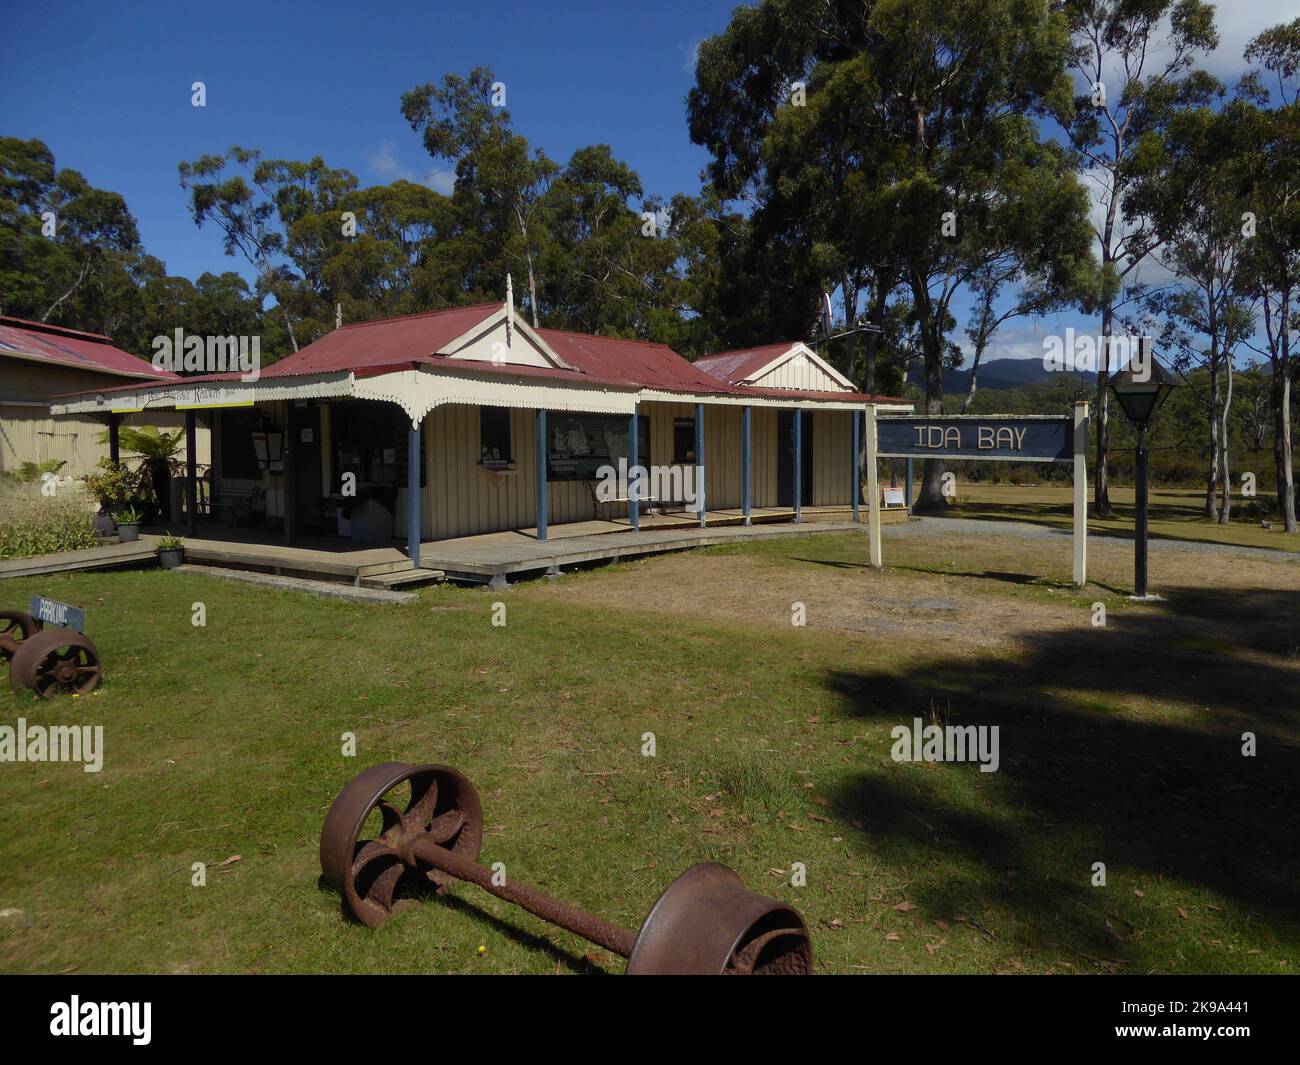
[930, 527]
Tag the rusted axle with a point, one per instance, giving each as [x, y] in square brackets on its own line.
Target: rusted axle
[590, 927]
[705, 922]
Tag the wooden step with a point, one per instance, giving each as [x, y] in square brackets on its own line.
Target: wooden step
[410, 576]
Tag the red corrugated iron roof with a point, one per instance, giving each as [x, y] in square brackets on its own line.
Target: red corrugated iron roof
[72, 348]
[734, 367]
[803, 393]
[630, 363]
[382, 341]
[387, 344]
[416, 339]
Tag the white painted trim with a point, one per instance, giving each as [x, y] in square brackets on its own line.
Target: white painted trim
[654, 395]
[173, 394]
[496, 318]
[420, 391]
[796, 349]
[873, 488]
[464, 379]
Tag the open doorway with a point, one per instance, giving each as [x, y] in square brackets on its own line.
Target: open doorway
[785, 459]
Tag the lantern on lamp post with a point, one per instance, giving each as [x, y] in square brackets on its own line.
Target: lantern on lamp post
[1141, 388]
[269, 448]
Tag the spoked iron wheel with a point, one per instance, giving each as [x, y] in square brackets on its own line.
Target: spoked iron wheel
[56, 661]
[399, 807]
[15, 628]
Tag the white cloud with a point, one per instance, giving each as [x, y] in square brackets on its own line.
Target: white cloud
[1237, 24]
[691, 56]
[385, 163]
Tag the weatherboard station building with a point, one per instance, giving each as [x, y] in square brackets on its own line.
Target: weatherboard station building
[467, 421]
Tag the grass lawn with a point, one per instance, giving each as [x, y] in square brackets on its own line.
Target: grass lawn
[1119, 744]
[1175, 513]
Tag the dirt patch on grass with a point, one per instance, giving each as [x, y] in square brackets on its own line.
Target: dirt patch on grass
[758, 590]
[932, 590]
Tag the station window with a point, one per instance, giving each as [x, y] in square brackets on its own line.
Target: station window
[683, 441]
[494, 436]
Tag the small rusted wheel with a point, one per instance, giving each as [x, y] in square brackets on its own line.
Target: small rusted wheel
[56, 661]
[396, 805]
[15, 627]
[707, 923]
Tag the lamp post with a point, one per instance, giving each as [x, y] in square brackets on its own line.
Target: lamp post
[1141, 388]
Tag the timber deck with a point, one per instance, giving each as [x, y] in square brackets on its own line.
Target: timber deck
[492, 558]
[495, 558]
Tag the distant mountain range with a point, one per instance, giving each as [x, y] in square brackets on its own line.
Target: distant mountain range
[997, 375]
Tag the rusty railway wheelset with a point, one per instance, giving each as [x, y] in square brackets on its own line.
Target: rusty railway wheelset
[705, 923]
[50, 661]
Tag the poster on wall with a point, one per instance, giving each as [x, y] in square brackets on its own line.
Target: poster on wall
[577, 445]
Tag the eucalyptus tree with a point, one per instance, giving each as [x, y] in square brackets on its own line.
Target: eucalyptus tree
[1134, 60]
[65, 245]
[903, 138]
[500, 181]
[1272, 127]
[267, 211]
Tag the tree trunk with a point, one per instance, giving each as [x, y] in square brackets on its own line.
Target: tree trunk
[532, 291]
[1212, 474]
[1282, 443]
[974, 373]
[931, 499]
[1225, 474]
[1101, 489]
[876, 316]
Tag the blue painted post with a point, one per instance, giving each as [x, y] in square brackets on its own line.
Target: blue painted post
[798, 464]
[699, 462]
[633, 481]
[191, 473]
[746, 464]
[539, 422]
[290, 480]
[413, 495]
[857, 463]
[909, 486]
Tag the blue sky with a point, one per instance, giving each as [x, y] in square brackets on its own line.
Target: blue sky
[107, 87]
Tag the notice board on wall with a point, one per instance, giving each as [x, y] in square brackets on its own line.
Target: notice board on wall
[578, 445]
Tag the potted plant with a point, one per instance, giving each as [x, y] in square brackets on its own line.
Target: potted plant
[171, 551]
[128, 525]
[113, 486]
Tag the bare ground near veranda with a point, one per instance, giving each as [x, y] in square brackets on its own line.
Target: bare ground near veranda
[931, 592]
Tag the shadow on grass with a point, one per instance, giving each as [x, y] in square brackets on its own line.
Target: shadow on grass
[1090, 772]
[1060, 519]
[1025, 579]
[416, 895]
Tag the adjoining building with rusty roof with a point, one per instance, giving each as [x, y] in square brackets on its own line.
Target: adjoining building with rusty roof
[39, 362]
[469, 420]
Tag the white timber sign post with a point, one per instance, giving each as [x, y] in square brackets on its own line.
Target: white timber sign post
[999, 438]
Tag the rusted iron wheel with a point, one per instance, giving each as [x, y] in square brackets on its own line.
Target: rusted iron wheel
[56, 661]
[707, 923]
[394, 805]
[15, 627]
